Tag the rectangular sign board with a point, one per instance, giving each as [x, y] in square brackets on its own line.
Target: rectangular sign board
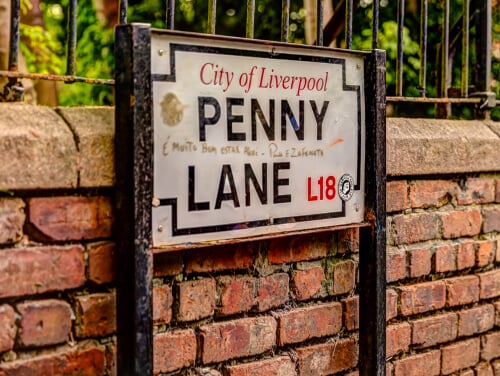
[254, 138]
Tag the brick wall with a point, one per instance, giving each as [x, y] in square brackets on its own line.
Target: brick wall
[282, 307]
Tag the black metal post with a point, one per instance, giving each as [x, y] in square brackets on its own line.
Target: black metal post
[372, 316]
[134, 186]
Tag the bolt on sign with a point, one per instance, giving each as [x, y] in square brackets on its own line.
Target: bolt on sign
[254, 138]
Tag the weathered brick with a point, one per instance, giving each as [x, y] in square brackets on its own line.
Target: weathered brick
[101, 262]
[391, 303]
[459, 355]
[477, 191]
[466, 257]
[237, 338]
[431, 331]
[398, 339]
[490, 284]
[7, 327]
[95, 315]
[445, 258]
[485, 253]
[497, 313]
[461, 223]
[467, 372]
[462, 290]
[294, 249]
[344, 277]
[491, 219]
[277, 366]
[395, 264]
[490, 346]
[422, 297]
[483, 369]
[12, 218]
[227, 257]
[168, 264]
[397, 196]
[426, 364]
[415, 228]
[196, 299]
[328, 358]
[71, 218]
[497, 258]
[420, 262]
[431, 193]
[497, 195]
[348, 240]
[44, 322]
[237, 294]
[476, 320]
[80, 361]
[272, 291]
[27, 271]
[162, 304]
[111, 359]
[351, 312]
[173, 350]
[496, 365]
[307, 283]
[312, 322]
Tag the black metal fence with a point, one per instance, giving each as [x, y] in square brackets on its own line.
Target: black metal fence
[458, 72]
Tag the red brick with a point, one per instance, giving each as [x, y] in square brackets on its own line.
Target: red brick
[459, 355]
[433, 330]
[497, 258]
[490, 284]
[490, 346]
[196, 299]
[491, 219]
[44, 322]
[420, 262]
[228, 257]
[167, 264]
[485, 253]
[272, 291]
[414, 228]
[7, 327]
[173, 350]
[466, 255]
[307, 283]
[277, 366]
[497, 313]
[476, 320]
[398, 339]
[95, 315]
[391, 303]
[237, 339]
[71, 218]
[294, 249]
[101, 264]
[80, 361]
[477, 191]
[497, 192]
[445, 258]
[27, 271]
[496, 365]
[11, 220]
[484, 369]
[162, 304]
[462, 290]
[351, 312]
[328, 358]
[468, 372]
[302, 324]
[426, 364]
[236, 294]
[111, 360]
[431, 193]
[422, 297]
[344, 277]
[395, 265]
[461, 223]
[397, 196]
[348, 241]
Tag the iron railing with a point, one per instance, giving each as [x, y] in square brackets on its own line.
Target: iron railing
[465, 43]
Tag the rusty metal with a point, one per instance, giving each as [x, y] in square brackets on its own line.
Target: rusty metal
[349, 17]
[422, 79]
[319, 23]
[123, 12]
[250, 19]
[465, 49]
[399, 59]
[15, 7]
[55, 77]
[71, 41]
[375, 23]
[447, 100]
[285, 20]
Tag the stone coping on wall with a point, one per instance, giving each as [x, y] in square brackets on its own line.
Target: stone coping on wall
[72, 147]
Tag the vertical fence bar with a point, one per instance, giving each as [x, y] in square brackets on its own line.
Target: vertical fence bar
[15, 15]
[375, 23]
[285, 20]
[250, 18]
[348, 22]
[445, 50]
[212, 14]
[423, 47]
[399, 59]
[483, 45]
[319, 22]
[123, 12]
[465, 50]
[71, 48]
[170, 15]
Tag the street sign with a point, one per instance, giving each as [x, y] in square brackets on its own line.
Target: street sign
[254, 138]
